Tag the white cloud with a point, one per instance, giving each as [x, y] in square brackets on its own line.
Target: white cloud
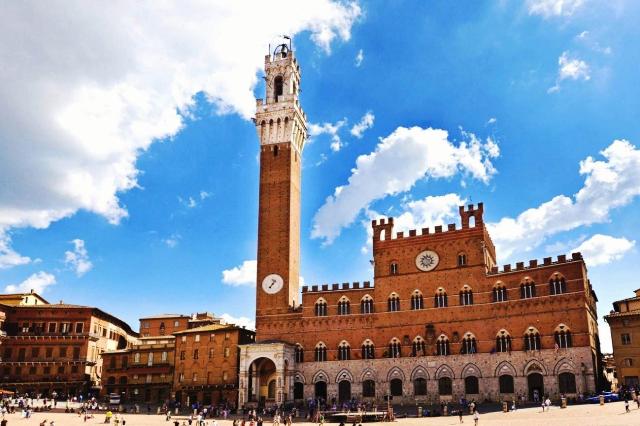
[330, 129]
[602, 249]
[239, 321]
[551, 8]
[242, 275]
[78, 259]
[398, 162]
[37, 282]
[173, 240]
[585, 38]
[359, 58]
[418, 214]
[204, 195]
[9, 257]
[90, 88]
[570, 68]
[609, 183]
[366, 122]
[492, 120]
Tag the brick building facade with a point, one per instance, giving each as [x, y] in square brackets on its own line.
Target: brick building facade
[57, 347]
[439, 322]
[206, 364]
[624, 322]
[144, 372]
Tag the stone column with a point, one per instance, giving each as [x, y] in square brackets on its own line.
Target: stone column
[280, 385]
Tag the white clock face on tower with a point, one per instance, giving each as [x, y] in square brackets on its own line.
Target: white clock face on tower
[273, 283]
[427, 260]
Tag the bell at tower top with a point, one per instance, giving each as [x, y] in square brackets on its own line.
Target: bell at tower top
[279, 117]
[282, 75]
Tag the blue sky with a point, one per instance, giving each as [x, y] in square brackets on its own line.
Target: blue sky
[129, 162]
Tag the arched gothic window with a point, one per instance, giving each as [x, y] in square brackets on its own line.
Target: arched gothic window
[344, 307]
[469, 344]
[299, 353]
[499, 292]
[503, 341]
[462, 259]
[366, 305]
[394, 348]
[527, 289]
[394, 302]
[466, 296]
[321, 308]
[417, 302]
[320, 352]
[557, 285]
[393, 268]
[532, 340]
[440, 299]
[563, 337]
[419, 347]
[442, 345]
[344, 351]
[368, 350]
[278, 87]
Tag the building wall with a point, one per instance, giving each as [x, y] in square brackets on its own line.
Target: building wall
[487, 367]
[142, 373]
[163, 326]
[211, 374]
[626, 320]
[41, 355]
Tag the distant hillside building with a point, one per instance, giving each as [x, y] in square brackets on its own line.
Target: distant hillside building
[624, 322]
[440, 321]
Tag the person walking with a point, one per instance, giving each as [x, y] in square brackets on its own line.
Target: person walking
[460, 415]
[476, 417]
[626, 405]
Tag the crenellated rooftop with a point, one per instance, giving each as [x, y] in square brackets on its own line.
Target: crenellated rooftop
[533, 264]
[337, 287]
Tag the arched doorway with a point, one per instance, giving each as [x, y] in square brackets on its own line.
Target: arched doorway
[420, 387]
[262, 381]
[344, 391]
[321, 390]
[535, 382]
[395, 387]
[298, 390]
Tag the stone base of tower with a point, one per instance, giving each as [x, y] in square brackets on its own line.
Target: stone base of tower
[266, 374]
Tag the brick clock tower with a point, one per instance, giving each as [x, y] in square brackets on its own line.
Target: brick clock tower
[282, 130]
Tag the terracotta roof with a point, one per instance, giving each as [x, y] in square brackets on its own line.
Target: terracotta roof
[56, 306]
[165, 316]
[210, 327]
[622, 314]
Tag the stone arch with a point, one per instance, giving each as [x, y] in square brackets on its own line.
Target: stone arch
[419, 372]
[564, 366]
[320, 376]
[368, 374]
[395, 373]
[445, 371]
[534, 366]
[505, 368]
[366, 297]
[299, 377]
[471, 370]
[344, 374]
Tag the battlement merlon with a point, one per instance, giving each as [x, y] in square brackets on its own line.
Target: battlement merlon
[471, 212]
